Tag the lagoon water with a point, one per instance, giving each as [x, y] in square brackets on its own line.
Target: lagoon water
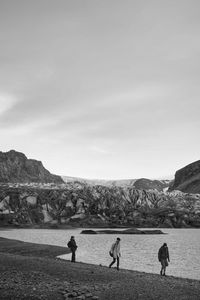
[139, 252]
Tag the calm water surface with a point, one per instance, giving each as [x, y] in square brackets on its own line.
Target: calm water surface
[139, 252]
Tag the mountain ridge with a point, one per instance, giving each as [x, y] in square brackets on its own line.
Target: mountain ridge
[16, 167]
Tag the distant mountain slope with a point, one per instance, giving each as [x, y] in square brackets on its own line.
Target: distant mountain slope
[147, 184]
[16, 167]
[103, 182]
[187, 179]
[141, 184]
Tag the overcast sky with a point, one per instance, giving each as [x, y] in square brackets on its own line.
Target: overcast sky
[101, 88]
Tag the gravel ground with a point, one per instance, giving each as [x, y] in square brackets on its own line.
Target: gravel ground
[31, 271]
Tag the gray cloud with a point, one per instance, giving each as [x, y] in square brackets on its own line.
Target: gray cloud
[95, 79]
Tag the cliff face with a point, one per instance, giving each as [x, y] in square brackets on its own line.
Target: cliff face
[85, 205]
[187, 179]
[15, 167]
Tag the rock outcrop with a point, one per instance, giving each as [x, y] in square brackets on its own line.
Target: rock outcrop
[187, 179]
[16, 167]
[126, 231]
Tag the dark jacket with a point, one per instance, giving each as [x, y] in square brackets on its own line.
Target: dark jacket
[163, 253]
[72, 245]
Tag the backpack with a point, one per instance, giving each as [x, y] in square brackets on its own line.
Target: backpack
[69, 244]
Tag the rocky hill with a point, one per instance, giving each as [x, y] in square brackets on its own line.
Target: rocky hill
[16, 167]
[187, 179]
[148, 184]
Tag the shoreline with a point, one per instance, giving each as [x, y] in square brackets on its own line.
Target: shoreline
[32, 271]
[84, 226]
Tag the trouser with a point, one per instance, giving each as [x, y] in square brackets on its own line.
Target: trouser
[73, 259]
[114, 260]
[164, 264]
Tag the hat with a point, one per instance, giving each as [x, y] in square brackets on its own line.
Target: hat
[118, 239]
[164, 244]
[72, 237]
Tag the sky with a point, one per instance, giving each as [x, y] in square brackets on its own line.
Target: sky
[101, 89]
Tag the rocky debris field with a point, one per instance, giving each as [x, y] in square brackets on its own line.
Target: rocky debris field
[36, 275]
[82, 205]
[25, 277]
[15, 284]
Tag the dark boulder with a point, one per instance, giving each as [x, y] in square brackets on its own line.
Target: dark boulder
[88, 231]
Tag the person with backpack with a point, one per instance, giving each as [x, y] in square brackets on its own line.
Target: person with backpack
[163, 257]
[115, 253]
[73, 247]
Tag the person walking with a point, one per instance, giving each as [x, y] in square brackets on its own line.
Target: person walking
[73, 247]
[163, 257]
[115, 253]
